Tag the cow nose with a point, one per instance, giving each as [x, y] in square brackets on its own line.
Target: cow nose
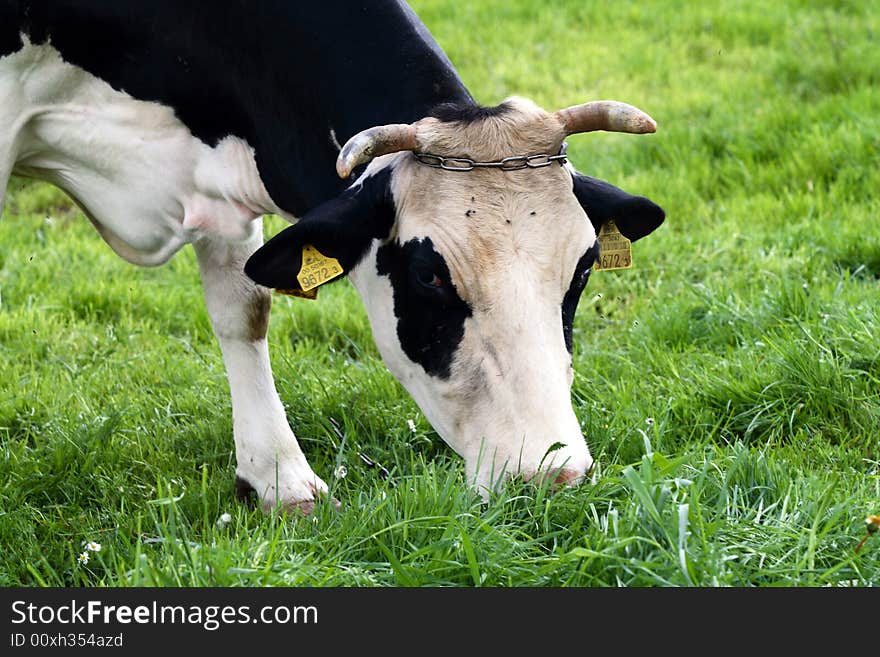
[568, 477]
[561, 478]
[572, 474]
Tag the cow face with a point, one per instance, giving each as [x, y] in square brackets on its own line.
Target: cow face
[471, 280]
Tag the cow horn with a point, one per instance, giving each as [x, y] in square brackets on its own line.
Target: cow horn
[610, 115]
[381, 140]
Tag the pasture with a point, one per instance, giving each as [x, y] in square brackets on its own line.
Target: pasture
[728, 385]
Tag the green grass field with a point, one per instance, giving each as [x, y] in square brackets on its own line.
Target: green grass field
[728, 384]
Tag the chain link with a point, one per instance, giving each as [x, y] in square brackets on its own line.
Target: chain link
[513, 163]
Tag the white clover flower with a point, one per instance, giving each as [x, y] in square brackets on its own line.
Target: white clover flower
[224, 520]
[83, 558]
[340, 472]
[91, 546]
[411, 425]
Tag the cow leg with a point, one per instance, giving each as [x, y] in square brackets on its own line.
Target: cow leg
[269, 459]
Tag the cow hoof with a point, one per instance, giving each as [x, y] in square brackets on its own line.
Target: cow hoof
[305, 507]
[244, 491]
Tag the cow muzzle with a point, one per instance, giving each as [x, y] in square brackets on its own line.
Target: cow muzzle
[572, 471]
[562, 477]
[563, 467]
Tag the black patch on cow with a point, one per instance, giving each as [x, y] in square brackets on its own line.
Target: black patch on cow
[467, 113]
[280, 74]
[341, 228]
[635, 216]
[430, 313]
[575, 289]
[243, 490]
[9, 20]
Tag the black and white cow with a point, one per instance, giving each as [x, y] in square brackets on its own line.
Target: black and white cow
[180, 122]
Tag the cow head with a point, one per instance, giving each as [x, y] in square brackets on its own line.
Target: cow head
[471, 279]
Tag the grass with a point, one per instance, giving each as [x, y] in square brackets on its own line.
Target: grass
[728, 384]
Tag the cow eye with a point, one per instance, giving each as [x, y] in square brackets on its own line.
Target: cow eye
[429, 279]
[426, 279]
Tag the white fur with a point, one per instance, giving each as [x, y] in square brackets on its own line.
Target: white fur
[507, 402]
[150, 187]
[268, 455]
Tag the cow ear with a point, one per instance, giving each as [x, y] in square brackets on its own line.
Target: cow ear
[342, 228]
[635, 216]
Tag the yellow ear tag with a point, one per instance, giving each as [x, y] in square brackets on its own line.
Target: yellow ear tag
[317, 268]
[615, 250]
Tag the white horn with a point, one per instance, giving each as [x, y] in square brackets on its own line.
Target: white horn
[610, 115]
[371, 143]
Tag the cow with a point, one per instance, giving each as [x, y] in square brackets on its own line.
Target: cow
[463, 228]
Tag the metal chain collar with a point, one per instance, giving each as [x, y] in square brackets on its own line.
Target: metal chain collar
[514, 163]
